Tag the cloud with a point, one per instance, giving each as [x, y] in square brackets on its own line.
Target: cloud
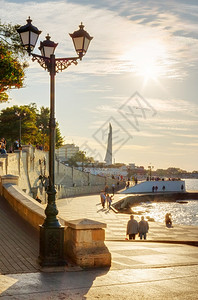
[188, 135]
[186, 144]
[128, 36]
[110, 49]
[136, 147]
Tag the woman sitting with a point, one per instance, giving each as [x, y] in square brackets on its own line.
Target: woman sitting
[168, 220]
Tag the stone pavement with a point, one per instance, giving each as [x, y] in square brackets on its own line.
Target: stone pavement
[140, 270]
[89, 207]
[19, 242]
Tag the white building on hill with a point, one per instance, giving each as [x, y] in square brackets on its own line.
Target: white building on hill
[66, 152]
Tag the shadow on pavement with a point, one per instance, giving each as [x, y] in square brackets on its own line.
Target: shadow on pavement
[61, 285]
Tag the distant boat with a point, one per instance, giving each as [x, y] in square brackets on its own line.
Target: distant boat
[181, 202]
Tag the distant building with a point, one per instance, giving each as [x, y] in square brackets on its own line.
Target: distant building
[122, 171]
[67, 151]
[131, 166]
[140, 170]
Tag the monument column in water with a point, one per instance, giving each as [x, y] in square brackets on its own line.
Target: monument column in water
[108, 157]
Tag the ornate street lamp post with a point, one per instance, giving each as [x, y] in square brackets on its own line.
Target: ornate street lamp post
[150, 171]
[51, 232]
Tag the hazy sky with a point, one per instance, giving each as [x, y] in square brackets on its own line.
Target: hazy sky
[140, 74]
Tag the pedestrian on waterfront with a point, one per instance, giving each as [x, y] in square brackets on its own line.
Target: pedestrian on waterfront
[106, 189]
[118, 183]
[3, 143]
[108, 200]
[163, 188]
[37, 199]
[102, 198]
[113, 188]
[3, 150]
[143, 228]
[168, 220]
[153, 189]
[132, 228]
[16, 145]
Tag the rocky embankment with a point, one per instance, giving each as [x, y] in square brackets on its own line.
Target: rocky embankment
[125, 205]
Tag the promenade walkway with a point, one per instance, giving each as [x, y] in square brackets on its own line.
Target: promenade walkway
[90, 207]
[140, 270]
[19, 243]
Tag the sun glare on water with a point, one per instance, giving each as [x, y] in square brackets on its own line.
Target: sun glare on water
[147, 59]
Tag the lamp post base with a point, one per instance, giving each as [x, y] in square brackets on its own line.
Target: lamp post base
[51, 246]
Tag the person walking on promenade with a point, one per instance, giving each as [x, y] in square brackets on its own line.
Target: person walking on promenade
[102, 198]
[113, 189]
[132, 228]
[118, 183]
[143, 228]
[106, 189]
[109, 200]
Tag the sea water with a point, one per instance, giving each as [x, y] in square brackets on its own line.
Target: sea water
[184, 214]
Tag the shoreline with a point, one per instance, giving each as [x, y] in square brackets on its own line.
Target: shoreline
[124, 205]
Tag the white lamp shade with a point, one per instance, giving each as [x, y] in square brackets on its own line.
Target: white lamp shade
[81, 40]
[47, 47]
[86, 44]
[47, 51]
[29, 35]
[78, 43]
[29, 39]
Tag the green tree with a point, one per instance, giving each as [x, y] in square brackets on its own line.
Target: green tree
[15, 120]
[43, 117]
[10, 38]
[11, 73]
[80, 157]
[30, 118]
[43, 126]
[12, 62]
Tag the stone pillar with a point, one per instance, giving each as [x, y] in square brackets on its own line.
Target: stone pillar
[8, 179]
[84, 243]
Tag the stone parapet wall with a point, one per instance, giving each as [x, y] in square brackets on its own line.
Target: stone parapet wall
[28, 208]
[64, 192]
[147, 186]
[31, 165]
[70, 176]
[83, 240]
[26, 165]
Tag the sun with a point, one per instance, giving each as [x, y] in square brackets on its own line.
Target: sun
[147, 59]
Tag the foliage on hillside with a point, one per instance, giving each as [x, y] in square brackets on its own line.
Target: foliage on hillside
[12, 62]
[80, 157]
[34, 125]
